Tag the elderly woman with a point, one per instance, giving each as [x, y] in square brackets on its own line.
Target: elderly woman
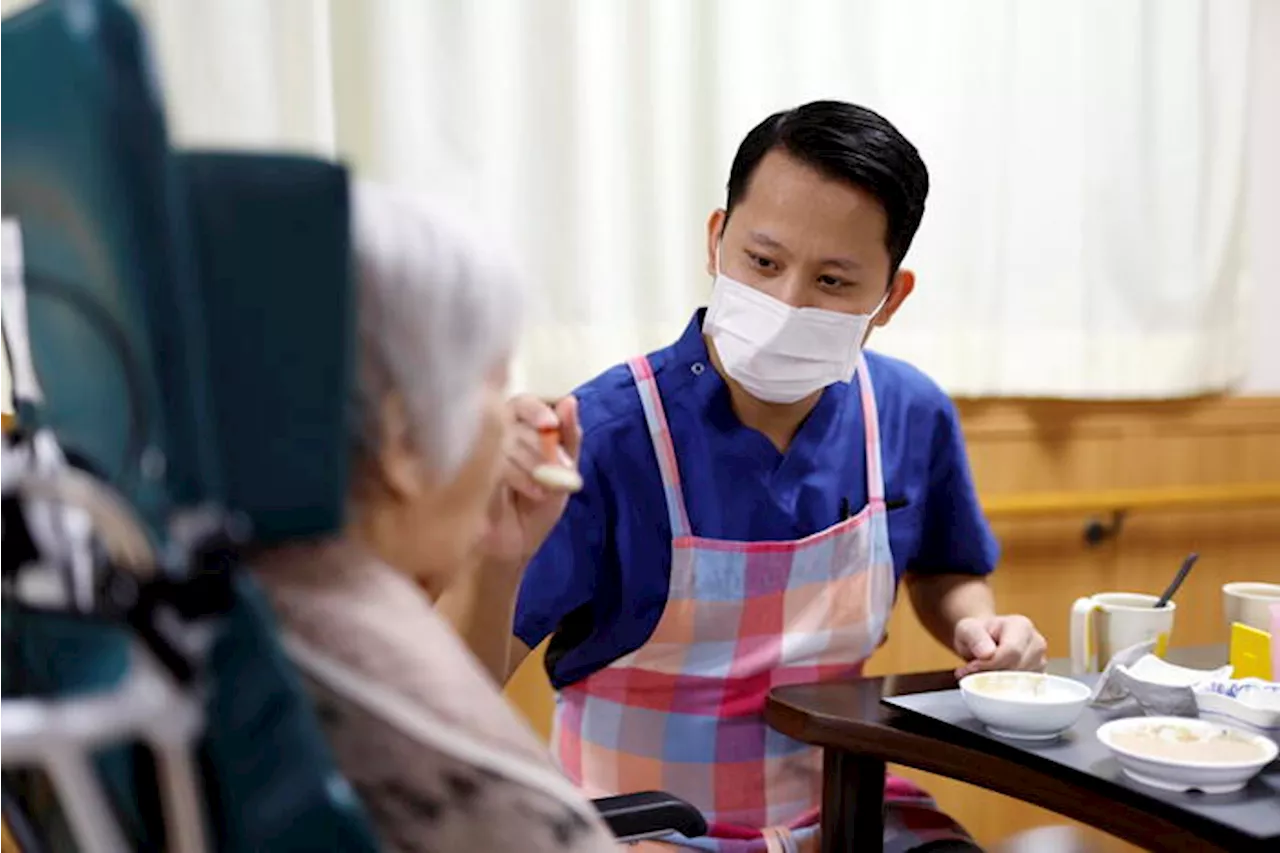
[439, 759]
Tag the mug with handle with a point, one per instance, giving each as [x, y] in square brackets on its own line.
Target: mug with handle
[1108, 622]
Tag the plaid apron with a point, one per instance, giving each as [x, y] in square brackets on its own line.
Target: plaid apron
[684, 713]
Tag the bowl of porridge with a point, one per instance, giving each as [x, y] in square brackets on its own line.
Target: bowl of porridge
[1024, 705]
[1185, 754]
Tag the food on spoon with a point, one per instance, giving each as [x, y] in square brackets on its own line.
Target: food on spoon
[558, 477]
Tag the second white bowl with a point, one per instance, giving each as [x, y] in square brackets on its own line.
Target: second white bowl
[1156, 766]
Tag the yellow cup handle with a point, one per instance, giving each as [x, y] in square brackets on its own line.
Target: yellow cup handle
[1083, 654]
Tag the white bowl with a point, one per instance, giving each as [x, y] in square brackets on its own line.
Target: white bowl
[1024, 705]
[1248, 702]
[1211, 777]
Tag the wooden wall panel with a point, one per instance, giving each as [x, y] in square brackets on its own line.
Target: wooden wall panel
[530, 691]
[1036, 446]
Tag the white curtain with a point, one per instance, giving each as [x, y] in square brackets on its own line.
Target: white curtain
[1084, 235]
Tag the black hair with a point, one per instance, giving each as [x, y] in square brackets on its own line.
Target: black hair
[847, 143]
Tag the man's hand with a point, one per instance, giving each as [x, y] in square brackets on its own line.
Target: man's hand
[481, 604]
[998, 642]
[524, 511]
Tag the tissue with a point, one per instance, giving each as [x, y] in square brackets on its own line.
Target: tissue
[1159, 687]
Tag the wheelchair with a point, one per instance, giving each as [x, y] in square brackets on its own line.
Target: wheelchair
[179, 328]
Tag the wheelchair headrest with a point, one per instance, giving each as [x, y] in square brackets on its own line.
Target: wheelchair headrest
[272, 240]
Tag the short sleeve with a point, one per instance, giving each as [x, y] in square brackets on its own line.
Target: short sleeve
[562, 575]
[956, 536]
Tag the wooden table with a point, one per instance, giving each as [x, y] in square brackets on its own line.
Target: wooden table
[860, 736]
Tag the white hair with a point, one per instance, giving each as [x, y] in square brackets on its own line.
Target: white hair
[439, 310]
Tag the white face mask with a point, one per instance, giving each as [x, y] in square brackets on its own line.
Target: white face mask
[778, 353]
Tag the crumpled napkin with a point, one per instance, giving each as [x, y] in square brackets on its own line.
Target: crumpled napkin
[1156, 698]
[1111, 689]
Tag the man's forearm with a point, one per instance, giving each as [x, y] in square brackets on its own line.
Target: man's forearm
[940, 601]
[481, 607]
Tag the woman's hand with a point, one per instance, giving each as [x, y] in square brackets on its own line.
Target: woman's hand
[524, 511]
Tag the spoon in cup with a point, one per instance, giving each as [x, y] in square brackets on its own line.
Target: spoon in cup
[1178, 579]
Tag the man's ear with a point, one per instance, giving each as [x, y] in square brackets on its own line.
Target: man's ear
[399, 464]
[715, 230]
[904, 282]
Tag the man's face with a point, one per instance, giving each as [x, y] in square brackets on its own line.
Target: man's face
[808, 241]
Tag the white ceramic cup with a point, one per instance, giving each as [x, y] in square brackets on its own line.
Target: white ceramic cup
[1250, 603]
[1108, 622]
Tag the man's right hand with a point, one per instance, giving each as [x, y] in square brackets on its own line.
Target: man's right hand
[524, 511]
[481, 604]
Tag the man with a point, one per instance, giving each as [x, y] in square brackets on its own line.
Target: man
[753, 494]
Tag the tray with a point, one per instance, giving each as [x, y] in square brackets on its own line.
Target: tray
[1254, 810]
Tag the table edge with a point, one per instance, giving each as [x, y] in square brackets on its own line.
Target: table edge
[895, 746]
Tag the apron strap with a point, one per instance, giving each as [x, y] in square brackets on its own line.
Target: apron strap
[663, 447]
[655, 417]
[871, 429]
[883, 584]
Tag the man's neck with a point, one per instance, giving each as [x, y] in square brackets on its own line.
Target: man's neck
[778, 422]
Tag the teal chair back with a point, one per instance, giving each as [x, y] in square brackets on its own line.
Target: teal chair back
[190, 319]
[115, 319]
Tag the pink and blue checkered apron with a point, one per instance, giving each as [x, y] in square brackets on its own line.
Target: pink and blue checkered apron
[685, 712]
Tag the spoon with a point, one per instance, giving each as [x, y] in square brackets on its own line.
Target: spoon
[1178, 579]
[552, 473]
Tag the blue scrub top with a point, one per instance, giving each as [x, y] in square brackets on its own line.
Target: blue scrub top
[599, 582]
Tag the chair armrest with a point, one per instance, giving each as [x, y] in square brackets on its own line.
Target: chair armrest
[649, 814]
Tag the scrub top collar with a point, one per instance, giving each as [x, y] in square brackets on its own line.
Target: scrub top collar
[711, 400]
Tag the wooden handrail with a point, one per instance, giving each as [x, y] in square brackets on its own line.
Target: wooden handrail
[1127, 500]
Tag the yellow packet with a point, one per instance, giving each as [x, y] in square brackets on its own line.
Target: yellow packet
[1250, 652]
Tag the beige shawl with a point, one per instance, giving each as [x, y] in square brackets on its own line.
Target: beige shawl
[438, 757]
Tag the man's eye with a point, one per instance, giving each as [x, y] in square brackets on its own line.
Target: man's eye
[761, 262]
[832, 282]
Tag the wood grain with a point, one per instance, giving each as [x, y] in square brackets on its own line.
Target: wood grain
[1021, 447]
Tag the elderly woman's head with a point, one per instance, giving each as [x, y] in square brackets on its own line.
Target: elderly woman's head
[438, 319]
